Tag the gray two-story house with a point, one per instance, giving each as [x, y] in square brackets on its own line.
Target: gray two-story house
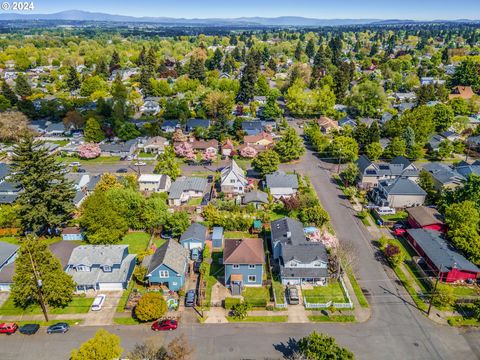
[243, 260]
[370, 173]
[167, 266]
[300, 261]
[101, 267]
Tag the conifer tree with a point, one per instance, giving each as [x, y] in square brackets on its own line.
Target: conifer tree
[22, 86]
[9, 94]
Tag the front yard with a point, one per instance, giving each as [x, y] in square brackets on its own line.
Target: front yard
[79, 305]
[323, 294]
[257, 297]
[98, 160]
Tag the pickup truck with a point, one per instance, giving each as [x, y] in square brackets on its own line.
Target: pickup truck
[8, 328]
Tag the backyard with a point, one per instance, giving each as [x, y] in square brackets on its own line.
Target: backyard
[323, 294]
[238, 235]
[137, 241]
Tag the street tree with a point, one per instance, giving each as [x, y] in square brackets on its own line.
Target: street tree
[167, 164]
[103, 346]
[344, 149]
[151, 306]
[322, 347]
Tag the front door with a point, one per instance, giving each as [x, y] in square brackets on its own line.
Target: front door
[236, 288]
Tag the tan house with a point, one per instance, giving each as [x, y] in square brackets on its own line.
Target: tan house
[464, 92]
[327, 125]
[155, 145]
[263, 140]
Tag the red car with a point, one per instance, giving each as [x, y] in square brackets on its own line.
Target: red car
[8, 328]
[161, 325]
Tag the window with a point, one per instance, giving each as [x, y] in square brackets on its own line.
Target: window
[293, 264]
[251, 266]
[107, 268]
[83, 268]
[163, 273]
[252, 278]
[236, 266]
[232, 181]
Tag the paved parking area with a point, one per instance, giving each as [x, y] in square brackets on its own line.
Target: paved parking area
[109, 308]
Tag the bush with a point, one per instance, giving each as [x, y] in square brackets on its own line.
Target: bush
[240, 310]
[444, 296]
[151, 306]
[256, 303]
[269, 307]
[231, 302]
[394, 254]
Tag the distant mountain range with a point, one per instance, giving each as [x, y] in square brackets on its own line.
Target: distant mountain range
[79, 15]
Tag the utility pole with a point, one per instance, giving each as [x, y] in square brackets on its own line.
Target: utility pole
[38, 282]
[434, 291]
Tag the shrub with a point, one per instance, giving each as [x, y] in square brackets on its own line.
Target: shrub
[151, 306]
[240, 310]
[257, 303]
[444, 296]
[393, 254]
[231, 302]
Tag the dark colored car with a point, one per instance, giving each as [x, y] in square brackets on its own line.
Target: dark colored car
[190, 298]
[81, 170]
[205, 200]
[122, 170]
[162, 325]
[8, 328]
[210, 178]
[196, 266]
[60, 327]
[29, 329]
[166, 235]
[292, 295]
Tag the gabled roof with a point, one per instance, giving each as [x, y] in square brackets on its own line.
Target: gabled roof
[252, 139]
[234, 169]
[255, 197]
[465, 169]
[424, 215]
[444, 174]
[281, 179]
[304, 253]
[194, 123]
[4, 170]
[195, 231]
[171, 254]
[439, 251]
[287, 230]
[243, 251]
[401, 160]
[363, 163]
[6, 251]
[63, 250]
[402, 186]
[170, 123]
[118, 147]
[187, 184]
[97, 254]
[252, 125]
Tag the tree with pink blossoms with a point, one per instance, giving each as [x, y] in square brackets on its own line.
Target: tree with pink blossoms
[185, 150]
[248, 152]
[89, 151]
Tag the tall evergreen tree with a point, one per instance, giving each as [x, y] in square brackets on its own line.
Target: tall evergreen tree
[216, 61]
[310, 48]
[196, 69]
[101, 68]
[46, 200]
[35, 264]
[248, 80]
[22, 86]
[298, 51]
[9, 94]
[141, 57]
[290, 147]
[73, 81]
[114, 61]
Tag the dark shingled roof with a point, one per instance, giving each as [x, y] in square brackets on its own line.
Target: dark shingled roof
[439, 251]
[195, 231]
[287, 230]
[171, 254]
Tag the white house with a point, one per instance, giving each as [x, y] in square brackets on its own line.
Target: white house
[281, 184]
[233, 180]
[185, 188]
[154, 182]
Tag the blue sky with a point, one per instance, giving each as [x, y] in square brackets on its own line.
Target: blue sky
[324, 9]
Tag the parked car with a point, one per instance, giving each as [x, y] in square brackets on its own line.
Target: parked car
[29, 329]
[210, 178]
[73, 164]
[190, 298]
[140, 163]
[386, 210]
[81, 170]
[162, 325]
[399, 229]
[292, 295]
[122, 170]
[195, 255]
[58, 328]
[196, 266]
[98, 302]
[8, 328]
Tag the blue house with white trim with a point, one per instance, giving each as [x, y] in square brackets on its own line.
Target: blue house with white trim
[243, 260]
[167, 266]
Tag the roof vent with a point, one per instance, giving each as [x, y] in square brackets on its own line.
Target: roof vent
[289, 234]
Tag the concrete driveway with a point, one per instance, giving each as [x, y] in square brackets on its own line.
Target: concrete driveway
[106, 314]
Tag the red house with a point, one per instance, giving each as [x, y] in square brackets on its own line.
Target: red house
[422, 217]
[441, 257]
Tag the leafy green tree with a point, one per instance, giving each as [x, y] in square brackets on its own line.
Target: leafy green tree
[368, 99]
[167, 164]
[344, 148]
[57, 286]
[445, 149]
[219, 104]
[315, 215]
[467, 73]
[73, 80]
[443, 117]
[151, 306]
[298, 51]
[322, 347]
[4, 103]
[240, 310]
[46, 201]
[196, 68]
[459, 106]
[266, 162]
[22, 86]
[101, 220]
[350, 173]
[155, 212]
[394, 254]
[248, 80]
[103, 346]
[93, 84]
[425, 180]
[444, 296]
[9, 94]
[93, 132]
[128, 131]
[271, 109]
[374, 150]
[177, 223]
[290, 147]
[396, 147]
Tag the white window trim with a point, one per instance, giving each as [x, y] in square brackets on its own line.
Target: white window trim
[235, 266]
[252, 266]
[254, 278]
[82, 268]
[107, 268]
[163, 274]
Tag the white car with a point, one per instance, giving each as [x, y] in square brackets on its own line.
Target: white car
[75, 163]
[140, 163]
[98, 302]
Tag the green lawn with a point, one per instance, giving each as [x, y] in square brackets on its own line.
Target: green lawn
[137, 242]
[79, 305]
[126, 321]
[357, 290]
[194, 201]
[465, 291]
[144, 155]
[275, 318]
[279, 292]
[158, 241]
[216, 268]
[331, 318]
[417, 299]
[322, 294]
[462, 321]
[398, 216]
[60, 142]
[9, 239]
[16, 239]
[256, 296]
[98, 160]
[238, 235]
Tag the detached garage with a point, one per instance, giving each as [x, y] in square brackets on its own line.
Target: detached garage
[194, 237]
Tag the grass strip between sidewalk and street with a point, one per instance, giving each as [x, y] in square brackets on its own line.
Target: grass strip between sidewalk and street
[331, 318]
[274, 318]
[362, 300]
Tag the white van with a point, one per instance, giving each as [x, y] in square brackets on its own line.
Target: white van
[98, 302]
[385, 211]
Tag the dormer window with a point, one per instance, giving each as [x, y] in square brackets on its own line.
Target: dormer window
[107, 268]
[82, 268]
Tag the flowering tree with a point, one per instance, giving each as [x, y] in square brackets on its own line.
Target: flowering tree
[179, 136]
[248, 152]
[185, 150]
[89, 151]
[209, 155]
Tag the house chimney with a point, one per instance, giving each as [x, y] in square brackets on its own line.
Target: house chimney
[289, 234]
